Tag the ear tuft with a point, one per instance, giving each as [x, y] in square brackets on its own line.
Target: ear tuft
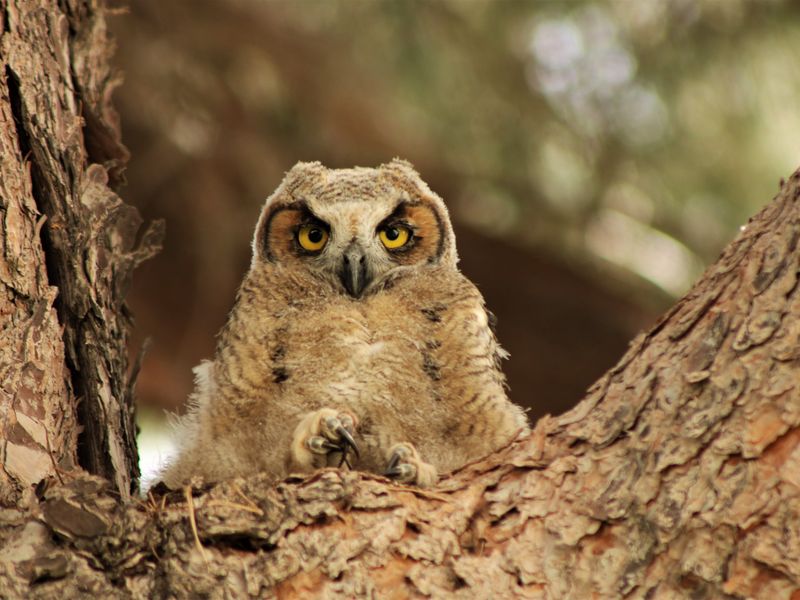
[401, 165]
[302, 169]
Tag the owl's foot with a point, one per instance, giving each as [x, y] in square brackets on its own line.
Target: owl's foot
[406, 466]
[320, 435]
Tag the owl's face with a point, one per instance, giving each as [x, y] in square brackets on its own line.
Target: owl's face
[354, 230]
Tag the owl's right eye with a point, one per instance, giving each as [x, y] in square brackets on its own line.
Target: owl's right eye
[312, 237]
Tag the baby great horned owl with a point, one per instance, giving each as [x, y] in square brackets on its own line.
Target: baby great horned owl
[354, 339]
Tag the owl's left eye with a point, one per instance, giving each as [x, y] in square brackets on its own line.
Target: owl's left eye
[394, 236]
[312, 237]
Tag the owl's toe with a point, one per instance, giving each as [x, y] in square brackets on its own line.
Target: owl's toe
[406, 466]
[322, 433]
[339, 430]
[337, 438]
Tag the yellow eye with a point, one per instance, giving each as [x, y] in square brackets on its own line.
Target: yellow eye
[394, 236]
[312, 237]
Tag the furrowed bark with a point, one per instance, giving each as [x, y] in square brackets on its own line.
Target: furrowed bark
[677, 476]
[69, 250]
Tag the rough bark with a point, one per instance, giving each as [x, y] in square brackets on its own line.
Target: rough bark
[677, 476]
[68, 251]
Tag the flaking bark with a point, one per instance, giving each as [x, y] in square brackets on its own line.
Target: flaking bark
[677, 476]
[68, 251]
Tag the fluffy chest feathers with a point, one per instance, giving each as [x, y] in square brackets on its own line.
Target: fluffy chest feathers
[377, 351]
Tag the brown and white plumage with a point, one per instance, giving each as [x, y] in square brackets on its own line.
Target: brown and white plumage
[393, 344]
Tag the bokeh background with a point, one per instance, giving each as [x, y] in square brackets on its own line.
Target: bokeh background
[595, 154]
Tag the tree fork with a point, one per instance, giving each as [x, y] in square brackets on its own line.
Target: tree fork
[677, 476]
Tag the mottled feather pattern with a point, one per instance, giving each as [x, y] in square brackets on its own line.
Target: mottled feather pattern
[412, 358]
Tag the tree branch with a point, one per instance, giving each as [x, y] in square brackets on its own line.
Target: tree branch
[676, 476]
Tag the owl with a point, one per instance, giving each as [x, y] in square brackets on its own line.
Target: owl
[354, 340]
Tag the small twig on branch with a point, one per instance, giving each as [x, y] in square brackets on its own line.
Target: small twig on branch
[187, 493]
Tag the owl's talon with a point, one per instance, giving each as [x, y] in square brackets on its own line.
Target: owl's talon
[320, 434]
[406, 466]
[394, 460]
[346, 441]
[401, 472]
[319, 445]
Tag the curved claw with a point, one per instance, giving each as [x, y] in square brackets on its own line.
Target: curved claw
[347, 441]
[391, 468]
[399, 470]
[320, 435]
[406, 466]
[403, 473]
[319, 445]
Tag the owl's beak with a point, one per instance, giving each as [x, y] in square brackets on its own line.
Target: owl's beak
[353, 272]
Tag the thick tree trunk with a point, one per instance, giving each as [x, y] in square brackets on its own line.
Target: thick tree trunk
[677, 476]
[68, 251]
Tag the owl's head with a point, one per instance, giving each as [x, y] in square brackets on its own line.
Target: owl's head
[353, 229]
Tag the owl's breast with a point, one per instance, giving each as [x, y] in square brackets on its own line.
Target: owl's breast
[345, 355]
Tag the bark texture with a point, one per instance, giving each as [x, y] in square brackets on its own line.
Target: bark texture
[677, 476]
[68, 246]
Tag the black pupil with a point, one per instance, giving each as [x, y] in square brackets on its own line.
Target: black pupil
[315, 235]
[392, 233]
